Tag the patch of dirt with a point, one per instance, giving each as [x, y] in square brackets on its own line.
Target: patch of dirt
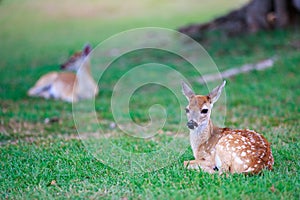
[295, 44]
[15, 127]
[20, 132]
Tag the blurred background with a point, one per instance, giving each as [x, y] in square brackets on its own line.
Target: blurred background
[39, 32]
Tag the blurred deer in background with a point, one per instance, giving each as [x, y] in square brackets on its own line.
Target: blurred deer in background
[68, 86]
[222, 149]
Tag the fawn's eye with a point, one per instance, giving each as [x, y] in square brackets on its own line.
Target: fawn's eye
[204, 111]
[187, 110]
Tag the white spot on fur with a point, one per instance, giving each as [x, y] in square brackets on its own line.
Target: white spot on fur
[218, 162]
[238, 160]
[243, 154]
[250, 169]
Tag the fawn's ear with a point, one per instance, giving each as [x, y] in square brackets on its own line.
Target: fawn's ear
[216, 93]
[87, 49]
[187, 91]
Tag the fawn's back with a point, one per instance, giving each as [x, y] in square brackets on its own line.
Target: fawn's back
[242, 151]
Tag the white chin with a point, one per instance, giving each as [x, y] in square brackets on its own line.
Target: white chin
[201, 127]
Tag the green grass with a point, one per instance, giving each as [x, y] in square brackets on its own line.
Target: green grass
[46, 160]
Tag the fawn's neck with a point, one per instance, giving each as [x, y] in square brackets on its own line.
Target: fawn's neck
[85, 81]
[84, 71]
[200, 136]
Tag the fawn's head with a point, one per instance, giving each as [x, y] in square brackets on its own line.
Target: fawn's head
[77, 59]
[199, 109]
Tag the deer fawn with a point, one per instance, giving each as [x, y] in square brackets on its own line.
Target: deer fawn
[68, 86]
[222, 149]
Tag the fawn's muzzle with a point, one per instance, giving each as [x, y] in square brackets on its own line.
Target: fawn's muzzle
[62, 66]
[192, 124]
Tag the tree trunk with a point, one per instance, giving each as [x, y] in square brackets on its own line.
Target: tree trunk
[257, 15]
[281, 11]
[254, 16]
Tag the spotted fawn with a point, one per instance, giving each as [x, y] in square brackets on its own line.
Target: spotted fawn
[222, 149]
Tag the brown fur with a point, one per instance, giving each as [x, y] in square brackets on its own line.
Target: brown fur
[234, 151]
[198, 101]
[68, 86]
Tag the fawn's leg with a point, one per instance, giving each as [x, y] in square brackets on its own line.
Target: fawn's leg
[199, 164]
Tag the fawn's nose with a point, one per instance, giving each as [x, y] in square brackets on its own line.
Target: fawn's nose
[62, 66]
[191, 124]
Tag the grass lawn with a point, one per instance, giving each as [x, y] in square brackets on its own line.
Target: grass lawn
[47, 160]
